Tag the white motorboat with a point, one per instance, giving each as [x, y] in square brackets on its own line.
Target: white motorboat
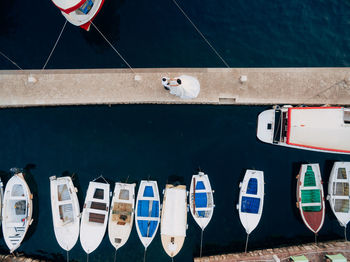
[1, 198]
[310, 196]
[79, 12]
[121, 215]
[339, 193]
[147, 212]
[323, 129]
[17, 211]
[65, 211]
[251, 200]
[201, 201]
[173, 224]
[95, 216]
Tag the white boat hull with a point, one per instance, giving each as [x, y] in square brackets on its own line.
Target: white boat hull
[65, 211]
[201, 200]
[147, 211]
[174, 219]
[95, 216]
[17, 211]
[251, 199]
[121, 214]
[339, 193]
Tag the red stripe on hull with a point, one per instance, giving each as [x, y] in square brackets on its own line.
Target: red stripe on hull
[71, 9]
[86, 26]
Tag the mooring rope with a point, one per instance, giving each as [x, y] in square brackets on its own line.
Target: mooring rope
[13, 62]
[246, 244]
[115, 50]
[345, 233]
[200, 251]
[200, 33]
[53, 49]
[67, 256]
[115, 255]
[144, 255]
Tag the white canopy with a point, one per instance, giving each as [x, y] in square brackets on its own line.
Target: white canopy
[174, 220]
[321, 128]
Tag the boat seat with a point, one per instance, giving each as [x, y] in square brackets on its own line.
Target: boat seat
[98, 218]
[99, 206]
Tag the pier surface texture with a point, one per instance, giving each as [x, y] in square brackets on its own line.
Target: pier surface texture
[315, 253]
[310, 86]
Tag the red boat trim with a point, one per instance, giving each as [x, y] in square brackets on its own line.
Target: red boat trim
[71, 9]
[313, 147]
[86, 26]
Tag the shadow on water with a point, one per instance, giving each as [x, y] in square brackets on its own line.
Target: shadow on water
[108, 22]
[176, 180]
[29, 177]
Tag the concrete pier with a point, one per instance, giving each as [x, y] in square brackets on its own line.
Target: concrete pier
[313, 252]
[309, 86]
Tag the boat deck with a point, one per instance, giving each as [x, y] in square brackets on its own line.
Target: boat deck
[218, 86]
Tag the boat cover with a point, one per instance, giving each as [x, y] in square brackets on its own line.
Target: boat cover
[200, 199]
[143, 208]
[147, 228]
[252, 186]
[319, 128]
[148, 191]
[200, 185]
[336, 258]
[250, 205]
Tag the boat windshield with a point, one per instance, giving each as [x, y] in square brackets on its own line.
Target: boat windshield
[347, 116]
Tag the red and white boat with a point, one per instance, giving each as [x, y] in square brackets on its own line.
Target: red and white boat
[79, 12]
[324, 129]
[310, 196]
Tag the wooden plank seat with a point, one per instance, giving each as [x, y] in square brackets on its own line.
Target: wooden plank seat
[98, 218]
[98, 206]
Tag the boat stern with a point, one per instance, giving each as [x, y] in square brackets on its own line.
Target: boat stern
[266, 124]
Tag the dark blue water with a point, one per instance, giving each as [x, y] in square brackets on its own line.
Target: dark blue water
[160, 141]
[277, 33]
[163, 141]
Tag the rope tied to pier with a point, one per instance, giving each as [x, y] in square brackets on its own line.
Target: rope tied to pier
[13, 62]
[115, 50]
[53, 49]
[200, 251]
[200, 33]
[246, 244]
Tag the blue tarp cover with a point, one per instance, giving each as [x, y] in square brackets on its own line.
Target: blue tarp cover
[146, 227]
[250, 205]
[200, 185]
[143, 208]
[148, 191]
[201, 199]
[252, 186]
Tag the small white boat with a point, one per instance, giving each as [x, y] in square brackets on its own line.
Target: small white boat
[65, 211]
[173, 224]
[147, 212]
[201, 201]
[310, 196]
[1, 198]
[79, 12]
[121, 215]
[323, 129]
[339, 193]
[251, 200]
[95, 216]
[17, 211]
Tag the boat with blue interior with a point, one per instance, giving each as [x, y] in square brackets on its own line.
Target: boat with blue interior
[147, 212]
[251, 200]
[201, 201]
[79, 12]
